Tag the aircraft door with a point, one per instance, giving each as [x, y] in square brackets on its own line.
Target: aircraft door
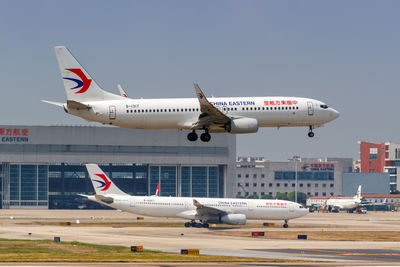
[132, 202]
[291, 207]
[113, 112]
[310, 108]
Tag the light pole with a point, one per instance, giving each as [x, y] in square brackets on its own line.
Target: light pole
[296, 160]
[295, 175]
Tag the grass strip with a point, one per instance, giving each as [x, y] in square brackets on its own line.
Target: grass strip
[13, 250]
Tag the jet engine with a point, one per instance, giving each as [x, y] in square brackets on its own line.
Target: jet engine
[234, 219]
[242, 125]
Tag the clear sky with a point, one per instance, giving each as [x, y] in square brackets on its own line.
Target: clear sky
[345, 53]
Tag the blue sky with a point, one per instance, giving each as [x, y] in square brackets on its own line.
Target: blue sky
[345, 53]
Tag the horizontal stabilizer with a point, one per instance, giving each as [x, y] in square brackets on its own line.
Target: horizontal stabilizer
[53, 103]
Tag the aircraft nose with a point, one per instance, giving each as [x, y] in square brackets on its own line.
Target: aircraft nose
[334, 113]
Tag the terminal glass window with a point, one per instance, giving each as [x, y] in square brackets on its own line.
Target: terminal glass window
[168, 181]
[199, 181]
[212, 182]
[185, 182]
[154, 179]
[14, 182]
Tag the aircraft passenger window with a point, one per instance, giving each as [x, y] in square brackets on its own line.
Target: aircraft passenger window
[275, 108]
[247, 108]
[197, 109]
[259, 108]
[182, 109]
[169, 110]
[324, 106]
[149, 110]
[127, 111]
[297, 107]
[177, 110]
[263, 108]
[158, 110]
[135, 110]
[242, 108]
[154, 110]
[235, 108]
[286, 108]
[173, 110]
[131, 110]
[142, 110]
[185, 109]
[290, 107]
[165, 110]
[279, 108]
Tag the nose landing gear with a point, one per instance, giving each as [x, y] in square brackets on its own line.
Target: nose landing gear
[310, 132]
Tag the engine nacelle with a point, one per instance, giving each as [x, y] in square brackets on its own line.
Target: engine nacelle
[234, 219]
[242, 125]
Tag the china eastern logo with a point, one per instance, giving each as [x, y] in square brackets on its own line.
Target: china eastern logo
[105, 184]
[82, 84]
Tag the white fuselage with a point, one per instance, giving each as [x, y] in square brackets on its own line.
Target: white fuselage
[183, 207]
[343, 203]
[182, 113]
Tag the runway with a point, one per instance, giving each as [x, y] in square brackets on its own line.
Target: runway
[97, 227]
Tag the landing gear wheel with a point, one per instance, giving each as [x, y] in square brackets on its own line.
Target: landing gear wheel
[285, 225]
[192, 136]
[310, 132]
[205, 137]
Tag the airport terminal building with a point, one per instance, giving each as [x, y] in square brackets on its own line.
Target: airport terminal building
[43, 166]
[315, 176]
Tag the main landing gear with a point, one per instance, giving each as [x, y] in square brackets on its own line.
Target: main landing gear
[196, 225]
[205, 137]
[285, 225]
[310, 132]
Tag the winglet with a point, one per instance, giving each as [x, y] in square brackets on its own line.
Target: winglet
[196, 203]
[157, 190]
[121, 91]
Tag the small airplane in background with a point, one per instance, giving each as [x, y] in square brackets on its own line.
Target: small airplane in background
[236, 115]
[335, 204]
[206, 210]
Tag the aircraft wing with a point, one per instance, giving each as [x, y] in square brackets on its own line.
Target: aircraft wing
[209, 113]
[205, 211]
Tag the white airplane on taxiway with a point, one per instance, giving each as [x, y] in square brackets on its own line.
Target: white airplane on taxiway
[232, 211]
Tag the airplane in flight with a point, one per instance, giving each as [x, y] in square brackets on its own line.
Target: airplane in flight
[236, 115]
[206, 210]
[344, 203]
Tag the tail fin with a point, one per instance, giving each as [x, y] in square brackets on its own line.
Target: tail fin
[358, 194]
[101, 183]
[78, 84]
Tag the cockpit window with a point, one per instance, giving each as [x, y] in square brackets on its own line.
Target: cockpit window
[324, 106]
[300, 207]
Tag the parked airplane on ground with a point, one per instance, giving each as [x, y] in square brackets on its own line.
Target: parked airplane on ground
[345, 203]
[206, 210]
[236, 115]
